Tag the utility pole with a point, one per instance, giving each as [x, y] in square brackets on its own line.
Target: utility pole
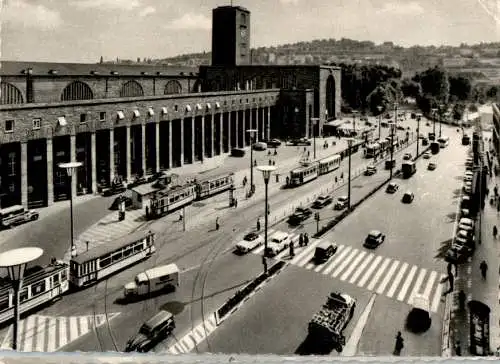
[418, 134]
[379, 108]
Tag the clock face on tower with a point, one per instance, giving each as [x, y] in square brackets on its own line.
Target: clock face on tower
[243, 33]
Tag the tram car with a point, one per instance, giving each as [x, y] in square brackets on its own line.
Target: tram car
[41, 285]
[303, 174]
[212, 186]
[328, 164]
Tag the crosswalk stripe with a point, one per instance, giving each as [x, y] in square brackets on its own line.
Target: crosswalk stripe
[417, 285]
[406, 284]
[173, 350]
[437, 296]
[354, 264]
[395, 284]
[369, 272]
[430, 283]
[361, 268]
[340, 255]
[40, 327]
[388, 277]
[259, 249]
[375, 279]
[344, 263]
[29, 333]
[198, 336]
[63, 335]
[303, 257]
[51, 346]
[73, 328]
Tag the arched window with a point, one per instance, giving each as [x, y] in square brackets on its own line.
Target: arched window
[77, 90]
[330, 97]
[131, 89]
[10, 94]
[173, 87]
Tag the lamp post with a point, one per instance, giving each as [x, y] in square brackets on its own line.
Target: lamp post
[354, 112]
[418, 132]
[70, 170]
[434, 110]
[379, 108]
[349, 143]
[314, 122]
[251, 132]
[15, 261]
[441, 109]
[392, 126]
[266, 173]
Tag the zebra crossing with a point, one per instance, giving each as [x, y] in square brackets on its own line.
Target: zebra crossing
[194, 337]
[39, 333]
[395, 279]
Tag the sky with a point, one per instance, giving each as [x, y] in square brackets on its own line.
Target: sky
[84, 30]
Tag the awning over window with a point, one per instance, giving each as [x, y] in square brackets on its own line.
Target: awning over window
[198, 107]
[209, 106]
[151, 112]
[188, 108]
[61, 120]
[120, 115]
[217, 105]
[164, 110]
[137, 113]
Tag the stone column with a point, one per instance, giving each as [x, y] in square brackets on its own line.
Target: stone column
[170, 144]
[93, 162]
[50, 172]
[268, 123]
[128, 157]
[236, 128]
[111, 155]
[143, 148]
[72, 158]
[202, 137]
[182, 141]
[157, 147]
[192, 139]
[263, 123]
[212, 136]
[245, 127]
[221, 121]
[24, 174]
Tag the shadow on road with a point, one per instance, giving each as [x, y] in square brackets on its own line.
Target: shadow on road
[313, 346]
[452, 216]
[441, 252]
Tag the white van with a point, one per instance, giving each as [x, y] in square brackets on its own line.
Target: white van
[153, 280]
[279, 242]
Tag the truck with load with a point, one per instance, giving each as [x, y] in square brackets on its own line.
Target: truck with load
[408, 169]
[327, 324]
[153, 281]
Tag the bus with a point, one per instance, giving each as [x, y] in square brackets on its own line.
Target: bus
[41, 285]
[443, 141]
[110, 257]
[328, 164]
[372, 150]
[303, 174]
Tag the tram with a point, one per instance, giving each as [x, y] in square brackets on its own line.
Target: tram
[303, 174]
[328, 164]
[41, 285]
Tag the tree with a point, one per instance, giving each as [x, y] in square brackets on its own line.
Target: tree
[460, 87]
[410, 88]
[434, 82]
[101, 61]
[458, 111]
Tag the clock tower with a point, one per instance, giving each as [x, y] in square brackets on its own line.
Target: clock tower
[230, 36]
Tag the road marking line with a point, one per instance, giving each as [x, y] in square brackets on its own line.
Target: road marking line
[51, 344]
[319, 267]
[29, 334]
[388, 277]
[399, 276]
[73, 328]
[198, 336]
[63, 332]
[430, 284]
[369, 272]
[338, 258]
[173, 350]
[354, 264]
[40, 324]
[344, 263]
[406, 284]
[301, 256]
[361, 268]
[437, 296]
[188, 343]
[417, 285]
[375, 279]
[310, 265]
[352, 345]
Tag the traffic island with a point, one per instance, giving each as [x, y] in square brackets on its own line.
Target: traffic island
[243, 295]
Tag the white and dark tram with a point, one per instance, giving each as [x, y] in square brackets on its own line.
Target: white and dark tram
[328, 164]
[41, 285]
[111, 257]
[303, 174]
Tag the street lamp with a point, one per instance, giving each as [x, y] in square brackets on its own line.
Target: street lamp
[418, 132]
[434, 110]
[379, 108]
[392, 126]
[314, 121]
[70, 170]
[266, 173]
[441, 109]
[15, 261]
[251, 132]
[349, 143]
[354, 112]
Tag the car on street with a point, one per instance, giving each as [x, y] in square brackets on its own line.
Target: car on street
[466, 224]
[467, 187]
[374, 239]
[278, 242]
[407, 156]
[467, 178]
[322, 201]
[427, 155]
[153, 331]
[408, 197]
[370, 170]
[259, 146]
[431, 166]
[400, 127]
[324, 251]
[341, 203]
[419, 318]
[421, 136]
[392, 187]
[250, 242]
[300, 141]
[273, 143]
[16, 215]
[300, 214]
[425, 141]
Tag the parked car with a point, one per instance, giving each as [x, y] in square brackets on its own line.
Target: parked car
[427, 155]
[250, 241]
[300, 141]
[16, 215]
[259, 146]
[432, 166]
[408, 197]
[419, 318]
[300, 214]
[322, 201]
[341, 203]
[374, 239]
[392, 187]
[370, 170]
[273, 143]
[400, 127]
[425, 141]
[407, 156]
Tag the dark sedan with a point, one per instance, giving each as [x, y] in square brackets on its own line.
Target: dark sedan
[300, 214]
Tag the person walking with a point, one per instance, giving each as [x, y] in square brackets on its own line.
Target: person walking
[217, 226]
[258, 224]
[399, 344]
[301, 240]
[484, 269]
[495, 231]
[306, 239]
[292, 253]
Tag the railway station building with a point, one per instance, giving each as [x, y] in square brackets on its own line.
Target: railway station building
[128, 120]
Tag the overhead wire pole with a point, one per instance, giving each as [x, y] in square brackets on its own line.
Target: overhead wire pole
[379, 108]
[314, 122]
[349, 143]
[418, 134]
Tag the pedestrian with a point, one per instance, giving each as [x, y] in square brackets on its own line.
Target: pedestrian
[495, 190]
[292, 253]
[301, 240]
[461, 299]
[235, 203]
[484, 269]
[258, 224]
[458, 348]
[306, 239]
[180, 216]
[275, 152]
[268, 209]
[399, 344]
[217, 223]
[495, 231]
